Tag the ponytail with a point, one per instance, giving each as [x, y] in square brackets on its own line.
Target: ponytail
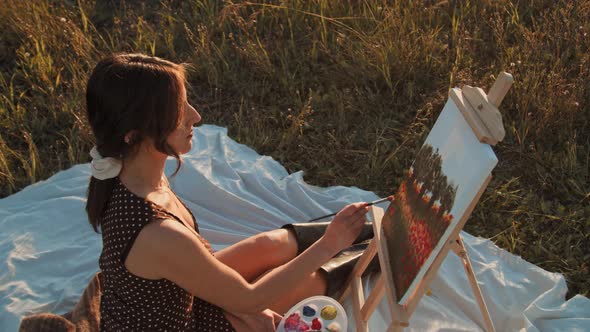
[99, 193]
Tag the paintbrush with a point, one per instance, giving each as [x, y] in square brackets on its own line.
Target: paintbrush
[388, 198]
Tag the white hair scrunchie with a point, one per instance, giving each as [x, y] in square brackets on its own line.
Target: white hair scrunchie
[104, 168]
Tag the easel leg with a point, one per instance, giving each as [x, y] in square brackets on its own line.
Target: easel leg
[358, 300]
[397, 326]
[459, 249]
[394, 328]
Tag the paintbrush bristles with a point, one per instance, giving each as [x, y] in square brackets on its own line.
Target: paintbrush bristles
[388, 198]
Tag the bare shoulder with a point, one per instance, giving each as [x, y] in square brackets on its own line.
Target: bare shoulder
[160, 231]
[156, 244]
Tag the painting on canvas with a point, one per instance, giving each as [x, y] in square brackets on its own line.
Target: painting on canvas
[436, 191]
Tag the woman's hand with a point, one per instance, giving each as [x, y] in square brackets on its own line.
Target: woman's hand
[346, 226]
[266, 320]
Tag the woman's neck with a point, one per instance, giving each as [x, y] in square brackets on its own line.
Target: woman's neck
[143, 173]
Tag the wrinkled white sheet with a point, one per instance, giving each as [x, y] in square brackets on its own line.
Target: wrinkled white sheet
[49, 252]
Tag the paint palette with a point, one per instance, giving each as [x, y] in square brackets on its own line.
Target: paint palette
[316, 313]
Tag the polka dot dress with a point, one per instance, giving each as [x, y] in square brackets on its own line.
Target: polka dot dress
[132, 303]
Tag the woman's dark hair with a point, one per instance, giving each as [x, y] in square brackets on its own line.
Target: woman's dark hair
[131, 92]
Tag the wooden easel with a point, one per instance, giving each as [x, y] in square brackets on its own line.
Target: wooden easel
[481, 113]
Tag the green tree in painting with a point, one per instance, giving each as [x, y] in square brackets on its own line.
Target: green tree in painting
[421, 158]
[431, 171]
[427, 169]
[447, 199]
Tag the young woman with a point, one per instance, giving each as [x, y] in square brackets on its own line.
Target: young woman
[159, 272]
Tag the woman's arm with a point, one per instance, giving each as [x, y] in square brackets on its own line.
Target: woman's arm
[176, 254]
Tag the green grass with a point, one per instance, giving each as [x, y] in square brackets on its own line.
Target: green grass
[344, 90]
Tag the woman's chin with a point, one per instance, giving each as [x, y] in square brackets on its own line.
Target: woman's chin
[183, 148]
[188, 147]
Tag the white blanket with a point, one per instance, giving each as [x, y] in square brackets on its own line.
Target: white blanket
[49, 252]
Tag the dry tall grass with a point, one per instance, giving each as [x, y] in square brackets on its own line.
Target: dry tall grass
[344, 90]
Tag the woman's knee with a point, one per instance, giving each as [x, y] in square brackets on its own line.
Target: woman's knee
[280, 242]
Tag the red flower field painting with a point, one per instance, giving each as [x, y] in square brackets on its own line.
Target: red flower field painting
[418, 217]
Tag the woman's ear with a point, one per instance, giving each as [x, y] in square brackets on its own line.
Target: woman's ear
[130, 137]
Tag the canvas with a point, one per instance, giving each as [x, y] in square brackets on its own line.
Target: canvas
[448, 172]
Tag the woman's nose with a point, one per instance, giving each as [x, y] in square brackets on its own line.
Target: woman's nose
[194, 115]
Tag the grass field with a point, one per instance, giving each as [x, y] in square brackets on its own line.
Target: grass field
[344, 90]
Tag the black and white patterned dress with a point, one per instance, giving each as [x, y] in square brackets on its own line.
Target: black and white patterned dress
[132, 303]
